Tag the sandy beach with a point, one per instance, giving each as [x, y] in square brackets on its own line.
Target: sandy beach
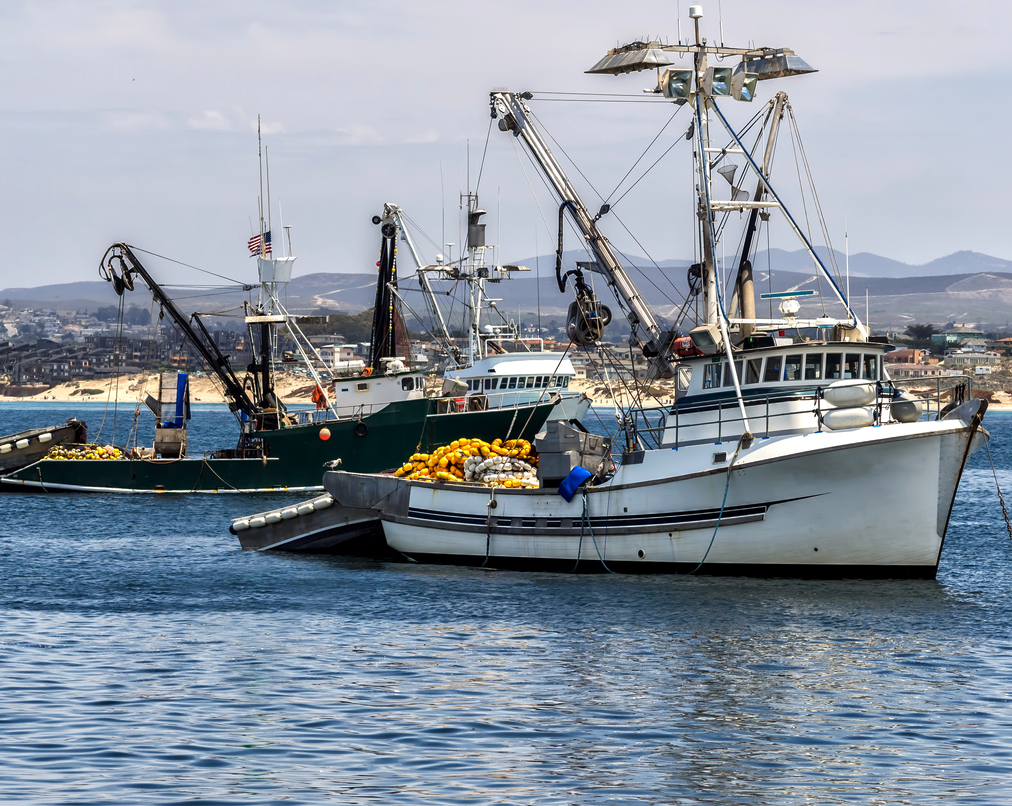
[297, 390]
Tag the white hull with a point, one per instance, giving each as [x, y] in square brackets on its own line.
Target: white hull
[865, 502]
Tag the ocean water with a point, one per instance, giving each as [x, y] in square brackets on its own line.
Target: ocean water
[145, 659]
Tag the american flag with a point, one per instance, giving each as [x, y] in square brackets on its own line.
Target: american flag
[254, 244]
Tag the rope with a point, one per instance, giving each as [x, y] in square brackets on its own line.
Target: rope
[488, 526]
[720, 515]
[1001, 498]
[586, 520]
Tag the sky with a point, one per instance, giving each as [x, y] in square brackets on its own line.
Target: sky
[136, 122]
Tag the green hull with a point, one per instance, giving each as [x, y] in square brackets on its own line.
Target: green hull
[294, 457]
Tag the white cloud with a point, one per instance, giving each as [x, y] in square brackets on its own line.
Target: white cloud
[212, 120]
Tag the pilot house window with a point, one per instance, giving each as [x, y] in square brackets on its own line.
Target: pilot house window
[711, 377]
[773, 366]
[813, 367]
[792, 368]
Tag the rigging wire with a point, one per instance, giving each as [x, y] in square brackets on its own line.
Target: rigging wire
[804, 207]
[179, 262]
[481, 167]
[640, 157]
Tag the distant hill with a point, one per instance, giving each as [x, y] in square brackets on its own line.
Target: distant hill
[965, 287]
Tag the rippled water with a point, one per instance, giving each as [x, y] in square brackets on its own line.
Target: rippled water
[145, 659]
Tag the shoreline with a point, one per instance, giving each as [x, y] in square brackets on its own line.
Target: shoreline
[296, 390]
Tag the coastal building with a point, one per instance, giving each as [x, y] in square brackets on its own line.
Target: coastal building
[955, 335]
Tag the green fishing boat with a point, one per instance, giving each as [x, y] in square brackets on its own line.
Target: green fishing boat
[367, 421]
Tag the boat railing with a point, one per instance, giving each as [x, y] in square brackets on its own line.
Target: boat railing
[511, 399]
[780, 413]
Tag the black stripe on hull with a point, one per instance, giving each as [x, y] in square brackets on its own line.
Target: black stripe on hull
[350, 540]
[587, 566]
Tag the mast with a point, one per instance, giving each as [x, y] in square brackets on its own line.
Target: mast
[743, 298]
[394, 214]
[515, 117]
[383, 342]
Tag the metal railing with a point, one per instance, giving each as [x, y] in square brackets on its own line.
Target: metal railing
[648, 427]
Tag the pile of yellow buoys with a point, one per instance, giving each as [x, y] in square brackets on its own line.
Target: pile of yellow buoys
[498, 464]
[65, 452]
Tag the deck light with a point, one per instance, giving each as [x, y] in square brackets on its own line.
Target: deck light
[717, 81]
[676, 84]
[743, 86]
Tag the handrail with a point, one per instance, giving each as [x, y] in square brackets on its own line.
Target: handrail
[948, 392]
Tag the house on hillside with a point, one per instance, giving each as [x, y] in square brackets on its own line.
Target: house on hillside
[955, 335]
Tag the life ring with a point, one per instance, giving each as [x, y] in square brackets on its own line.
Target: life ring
[367, 372]
[361, 429]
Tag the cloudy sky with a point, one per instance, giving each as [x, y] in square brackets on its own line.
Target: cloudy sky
[136, 121]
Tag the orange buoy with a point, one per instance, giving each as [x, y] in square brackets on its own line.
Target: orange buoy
[324, 434]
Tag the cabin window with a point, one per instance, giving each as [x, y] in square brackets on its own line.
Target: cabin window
[530, 381]
[852, 367]
[407, 384]
[511, 383]
[684, 378]
[870, 367]
[753, 370]
[711, 377]
[521, 383]
[774, 365]
[792, 368]
[565, 381]
[362, 387]
[490, 383]
[542, 381]
[554, 382]
[728, 377]
[834, 366]
[813, 367]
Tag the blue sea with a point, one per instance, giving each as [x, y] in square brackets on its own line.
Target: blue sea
[145, 659]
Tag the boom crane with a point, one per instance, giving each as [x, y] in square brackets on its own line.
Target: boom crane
[120, 256]
[514, 116]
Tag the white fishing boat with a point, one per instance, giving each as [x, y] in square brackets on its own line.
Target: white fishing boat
[498, 368]
[788, 450]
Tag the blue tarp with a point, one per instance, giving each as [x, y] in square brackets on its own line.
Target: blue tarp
[182, 412]
[571, 483]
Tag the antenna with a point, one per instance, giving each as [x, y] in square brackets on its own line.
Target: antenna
[537, 276]
[267, 160]
[260, 198]
[442, 199]
[846, 247]
[720, 21]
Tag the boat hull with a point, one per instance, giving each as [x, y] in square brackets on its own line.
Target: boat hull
[871, 502]
[35, 448]
[294, 457]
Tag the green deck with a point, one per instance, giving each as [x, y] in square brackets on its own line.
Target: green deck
[295, 455]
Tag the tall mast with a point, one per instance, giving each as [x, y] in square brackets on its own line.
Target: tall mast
[260, 199]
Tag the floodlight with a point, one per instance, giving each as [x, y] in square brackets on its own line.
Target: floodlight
[776, 65]
[677, 84]
[632, 57]
[743, 86]
[718, 81]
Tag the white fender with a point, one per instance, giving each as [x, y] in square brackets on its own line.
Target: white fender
[842, 419]
[847, 393]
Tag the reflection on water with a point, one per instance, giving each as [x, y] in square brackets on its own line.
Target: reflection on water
[143, 658]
